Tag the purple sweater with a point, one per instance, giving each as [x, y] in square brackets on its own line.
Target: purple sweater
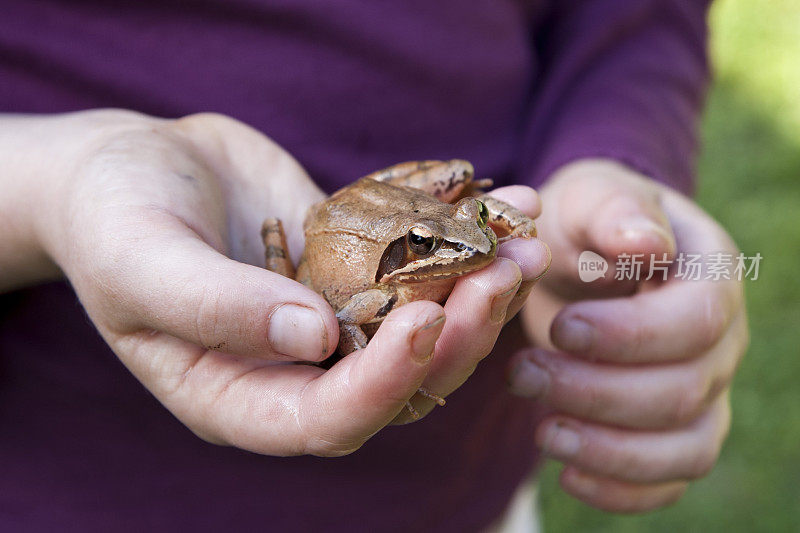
[519, 88]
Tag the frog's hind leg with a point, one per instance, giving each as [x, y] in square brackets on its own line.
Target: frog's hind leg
[448, 181]
[276, 251]
[396, 174]
[507, 221]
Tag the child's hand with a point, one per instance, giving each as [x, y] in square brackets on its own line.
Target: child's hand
[154, 223]
[639, 386]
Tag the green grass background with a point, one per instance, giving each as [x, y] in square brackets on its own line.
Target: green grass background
[750, 181]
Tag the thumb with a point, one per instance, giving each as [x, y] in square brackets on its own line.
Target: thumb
[629, 219]
[367, 389]
[168, 279]
[609, 209]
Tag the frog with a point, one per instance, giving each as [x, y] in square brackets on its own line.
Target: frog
[398, 235]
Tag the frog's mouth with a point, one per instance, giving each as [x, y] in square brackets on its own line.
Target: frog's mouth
[449, 260]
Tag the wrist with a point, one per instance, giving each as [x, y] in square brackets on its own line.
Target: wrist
[40, 154]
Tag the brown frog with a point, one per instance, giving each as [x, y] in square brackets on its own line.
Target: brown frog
[398, 235]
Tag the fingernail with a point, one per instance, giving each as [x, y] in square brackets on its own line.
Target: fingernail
[297, 332]
[500, 304]
[634, 228]
[561, 441]
[530, 380]
[424, 340]
[573, 335]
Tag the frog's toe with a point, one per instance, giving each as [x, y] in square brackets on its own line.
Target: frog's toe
[435, 397]
[414, 413]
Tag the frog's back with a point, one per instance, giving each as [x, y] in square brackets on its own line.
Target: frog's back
[371, 209]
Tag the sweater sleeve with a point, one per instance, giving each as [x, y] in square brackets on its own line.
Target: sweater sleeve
[619, 79]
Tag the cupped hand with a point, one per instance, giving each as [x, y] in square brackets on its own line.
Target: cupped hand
[156, 224]
[636, 373]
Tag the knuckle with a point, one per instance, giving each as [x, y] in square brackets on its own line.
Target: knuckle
[315, 440]
[224, 323]
[477, 348]
[621, 463]
[597, 405]
[717, 385]
[207, 118]
[713, 320]
[484, 349]
[208, 323]
[691, 400]
[703, 464]
[638, 337]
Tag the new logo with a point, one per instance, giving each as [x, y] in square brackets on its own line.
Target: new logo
[591, 266]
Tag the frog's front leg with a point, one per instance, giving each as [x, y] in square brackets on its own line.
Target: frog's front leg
[507, 221]
[364, 307]
[448, 181]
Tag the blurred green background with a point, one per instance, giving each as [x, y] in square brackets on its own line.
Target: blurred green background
[750, 181]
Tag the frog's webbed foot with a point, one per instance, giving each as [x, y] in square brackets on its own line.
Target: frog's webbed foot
[448, 181]
[276, 251]
[507, 221]
[427, 394]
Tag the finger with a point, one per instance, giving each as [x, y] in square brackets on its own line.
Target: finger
[533, 258]
[476, 311]
[674, 320]
[613, 210]
[367, 389]
[652, 396]
[638, 456]
[531, 255]
[289, 409]
[618, 496]
[523, 198]
[677, 320]
[605, 208]
[167, 279]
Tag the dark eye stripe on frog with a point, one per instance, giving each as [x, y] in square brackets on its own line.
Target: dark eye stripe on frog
[397, 255]
[393, 258]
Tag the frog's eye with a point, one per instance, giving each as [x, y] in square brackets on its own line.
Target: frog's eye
[483, 214]
[421, 244]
